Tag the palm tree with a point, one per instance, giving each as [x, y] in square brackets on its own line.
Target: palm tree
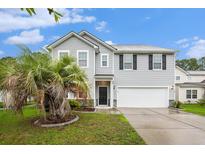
[48, 81]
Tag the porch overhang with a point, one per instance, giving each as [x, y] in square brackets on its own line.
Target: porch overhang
[102, 81]
[191, 84]
[104, 77]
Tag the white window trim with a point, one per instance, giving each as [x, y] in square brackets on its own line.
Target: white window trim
[87, 58]
[124, 62]
[153, 63]
[64, 51]
[102, 60]
[186, 93]
[192, 94]
[196, 94]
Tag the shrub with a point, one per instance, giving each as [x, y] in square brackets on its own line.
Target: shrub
[88, 103]
[74, 104]
[1, 105]
[201, 102]
[177, 104]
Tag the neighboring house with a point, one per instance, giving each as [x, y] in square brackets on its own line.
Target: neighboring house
[190, 85]
[121, 75]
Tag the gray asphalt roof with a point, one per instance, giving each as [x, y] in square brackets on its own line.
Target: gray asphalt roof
[196, 72]
[192, 84]
[141, 48]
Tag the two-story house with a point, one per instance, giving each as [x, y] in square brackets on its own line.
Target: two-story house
[190, 85]
[121, 75]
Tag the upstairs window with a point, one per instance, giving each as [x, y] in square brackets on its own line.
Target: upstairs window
[62, 53]
[157, 61]
[82, 58]
[104, 60]
[128, 61]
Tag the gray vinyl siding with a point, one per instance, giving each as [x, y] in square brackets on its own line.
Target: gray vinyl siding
[140, 77]
[73, 44]
[103, 50]
[143, 76]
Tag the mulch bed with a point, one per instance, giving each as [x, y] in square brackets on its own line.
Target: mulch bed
[86, 109]
[42, 121]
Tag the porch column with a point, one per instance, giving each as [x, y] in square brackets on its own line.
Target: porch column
[111, 93]
[94, 99]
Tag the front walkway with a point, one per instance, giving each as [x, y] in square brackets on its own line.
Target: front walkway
[165, 126]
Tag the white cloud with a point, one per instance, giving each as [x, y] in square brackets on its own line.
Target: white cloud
[26, 37]
[147, 18]
[182, 41]
[195, 38]
[1, 52]
[14, 19]
[185, 45]
[187, 42]
[197, 50]
[110, 42]
[101, 26]
[54, 38]
[195, 46]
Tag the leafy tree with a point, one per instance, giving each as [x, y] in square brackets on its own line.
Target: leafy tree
[188, 64]
[51, 11]
[192, 64]
[201, 62]
[49, 81]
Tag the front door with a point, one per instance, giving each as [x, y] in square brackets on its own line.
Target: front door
[102, 95]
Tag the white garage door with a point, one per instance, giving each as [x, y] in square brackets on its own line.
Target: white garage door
[142, 97]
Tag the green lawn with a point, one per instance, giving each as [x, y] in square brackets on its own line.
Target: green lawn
[194, 108]
[92, 128]
[28, 104]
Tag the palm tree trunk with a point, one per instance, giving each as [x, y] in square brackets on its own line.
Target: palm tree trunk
[59, 109]
[41, 98]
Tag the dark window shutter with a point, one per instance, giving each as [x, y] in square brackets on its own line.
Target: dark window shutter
[150, 62]
[121, 62]
[164, 61]
[134, 62]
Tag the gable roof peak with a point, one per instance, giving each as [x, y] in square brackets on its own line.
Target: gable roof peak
[84, 32]
[67, 36]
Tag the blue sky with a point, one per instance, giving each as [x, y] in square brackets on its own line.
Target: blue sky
[181, 29]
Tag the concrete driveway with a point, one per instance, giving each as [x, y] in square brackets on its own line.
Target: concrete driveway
[165, 126]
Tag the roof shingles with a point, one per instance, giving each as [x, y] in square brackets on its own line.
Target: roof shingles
[142, 48]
